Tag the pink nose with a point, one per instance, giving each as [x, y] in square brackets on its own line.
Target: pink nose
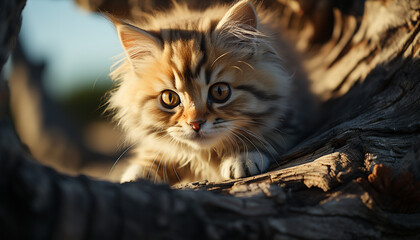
[196, 124]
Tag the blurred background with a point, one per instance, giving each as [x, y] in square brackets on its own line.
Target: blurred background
[77, 45]
[58, 76]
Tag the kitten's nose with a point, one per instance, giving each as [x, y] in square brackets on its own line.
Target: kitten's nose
[196, 124]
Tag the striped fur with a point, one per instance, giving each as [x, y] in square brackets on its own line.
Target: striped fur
[187, 52]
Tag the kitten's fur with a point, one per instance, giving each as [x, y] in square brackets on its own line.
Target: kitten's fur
[187, 52]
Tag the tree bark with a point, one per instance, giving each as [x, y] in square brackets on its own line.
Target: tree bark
[10, 19]
[357, 176]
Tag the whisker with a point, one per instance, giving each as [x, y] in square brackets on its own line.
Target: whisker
[151, 166]
[256, 148]
[144, 169]
[176, 174]
[231, 141]
[237, 68]
[165, 173]
[173, 167]
[263, 143]
[249, 65]
[157, 169]
[258, 124]
[259, 138]
[243, 143]
[160, 161]
[118, 159]
[219, 57]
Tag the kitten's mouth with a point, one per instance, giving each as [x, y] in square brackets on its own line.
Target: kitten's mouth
[199, 137]
[203, 140]
[199, 140]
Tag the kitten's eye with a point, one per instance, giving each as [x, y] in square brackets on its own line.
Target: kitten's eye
[169, 99]
[220, 92]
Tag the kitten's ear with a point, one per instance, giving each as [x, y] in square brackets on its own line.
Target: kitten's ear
[242, 13]
[137, 43]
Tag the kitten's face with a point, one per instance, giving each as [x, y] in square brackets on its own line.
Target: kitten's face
[203, 98]
[203, 105]
[208, 89]
[196, 110]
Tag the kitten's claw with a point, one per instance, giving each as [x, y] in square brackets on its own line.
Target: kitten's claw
[244, 165]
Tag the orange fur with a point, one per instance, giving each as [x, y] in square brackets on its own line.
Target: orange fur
[187, 52]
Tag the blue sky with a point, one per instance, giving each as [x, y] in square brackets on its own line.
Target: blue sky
[78, 46]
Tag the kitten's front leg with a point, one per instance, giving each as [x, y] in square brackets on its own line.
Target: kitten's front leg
[244, 165]
[132, 173]
[137, 171]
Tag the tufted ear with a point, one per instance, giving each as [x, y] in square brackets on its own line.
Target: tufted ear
[242, 13]
[137, 43]
[238, 30]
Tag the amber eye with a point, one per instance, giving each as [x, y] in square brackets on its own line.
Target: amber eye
[220, 92]
[169, 99]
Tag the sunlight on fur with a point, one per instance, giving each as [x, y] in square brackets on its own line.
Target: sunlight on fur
[205, 95]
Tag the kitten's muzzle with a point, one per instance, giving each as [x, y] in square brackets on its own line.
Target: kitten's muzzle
[196, 125]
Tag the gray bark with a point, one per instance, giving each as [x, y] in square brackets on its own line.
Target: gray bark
[357, 176]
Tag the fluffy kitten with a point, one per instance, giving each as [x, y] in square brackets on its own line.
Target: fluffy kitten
[205, 95]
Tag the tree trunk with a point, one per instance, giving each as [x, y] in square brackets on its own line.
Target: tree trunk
[10, 20]
[357, 176]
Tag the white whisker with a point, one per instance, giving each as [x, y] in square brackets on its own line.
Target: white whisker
[243, 143]
[173, 167]
[157, 169]
[118, 159]
[148, 173]
[256, 148]
[176, 174]
[263, 143]
[165, 172]
[258, 124]
[151, 166]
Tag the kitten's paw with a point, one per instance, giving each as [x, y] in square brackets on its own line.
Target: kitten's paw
[132, 173]
[136, 172]
[244, 165]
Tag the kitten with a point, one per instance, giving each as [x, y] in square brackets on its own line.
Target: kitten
[205, 94]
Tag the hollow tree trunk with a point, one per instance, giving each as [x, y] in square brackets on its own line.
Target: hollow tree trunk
[356, 177]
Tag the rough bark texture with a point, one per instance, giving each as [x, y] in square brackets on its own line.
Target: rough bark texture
[357, 176]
